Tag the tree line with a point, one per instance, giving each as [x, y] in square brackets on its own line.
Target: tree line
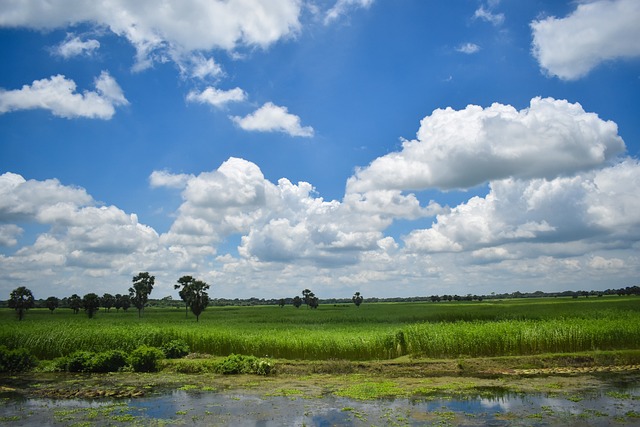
[192, 291]
[195, 297]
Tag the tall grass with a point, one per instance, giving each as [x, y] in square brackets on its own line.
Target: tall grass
[373, 331]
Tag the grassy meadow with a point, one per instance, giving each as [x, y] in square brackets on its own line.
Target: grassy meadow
[371, 332]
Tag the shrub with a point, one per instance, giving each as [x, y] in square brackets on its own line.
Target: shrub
[238, 364]
[17, 360]
[175, 349]
[145, 359]
[59, 364]
[109, 361]
[80, 361]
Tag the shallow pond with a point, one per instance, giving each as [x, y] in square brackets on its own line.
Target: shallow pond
[201, 408]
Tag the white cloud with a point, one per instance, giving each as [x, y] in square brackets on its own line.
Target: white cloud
[82, 240]
[165, 179]
[203, 68]
[109, 90]
[22, 200]
[595, 32]
[284, 221]
[155, 28]
[582, 230]
[463, 149]
[597, 208]
[273, 118]
[341, 8]
[9, 234]
[486, 15]
[468, 48]
[601, 263]
[75, 46]
[216, 97]
[58, 95]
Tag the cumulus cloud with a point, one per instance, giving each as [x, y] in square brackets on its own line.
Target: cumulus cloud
[576, 228]
[58, 95]
[9, 234]
[465, 148]
[595, 32]
[273, 118]
[159, 27]
[468, 48]
[82, 239]
[75, 46]
[216, 97]
[283, 221]
[22, 200]
[342, 7]
[595, 207]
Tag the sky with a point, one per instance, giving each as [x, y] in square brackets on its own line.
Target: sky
[393, 148]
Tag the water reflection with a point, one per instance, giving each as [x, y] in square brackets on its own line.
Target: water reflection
[602, 408]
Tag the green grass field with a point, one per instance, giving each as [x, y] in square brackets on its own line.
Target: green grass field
[370, 332]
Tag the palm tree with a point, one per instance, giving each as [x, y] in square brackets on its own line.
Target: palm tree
[183, 283]
[198, 297]
[357, 299]
[21, 299]
[139, 292]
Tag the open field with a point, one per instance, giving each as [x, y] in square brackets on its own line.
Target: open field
[370, 332]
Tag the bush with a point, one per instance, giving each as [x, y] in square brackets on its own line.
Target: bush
[109, 361]
[145, 359]
[59, 364]
[80, 361]
[175, 349]
[238, 364]
[17, 360]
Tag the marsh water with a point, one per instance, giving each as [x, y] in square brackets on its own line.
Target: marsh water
[615, 405]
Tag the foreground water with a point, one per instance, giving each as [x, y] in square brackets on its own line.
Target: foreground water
[614, 406]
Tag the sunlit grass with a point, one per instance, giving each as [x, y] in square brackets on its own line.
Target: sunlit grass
[373, 331]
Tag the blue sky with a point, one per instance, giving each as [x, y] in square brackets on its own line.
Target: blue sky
[391, 148]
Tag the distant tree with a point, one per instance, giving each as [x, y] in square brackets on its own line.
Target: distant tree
[281, 302]
[313, 301]
[310, 299]
[139, 292]
[117, 301]
[124, 301]
[357, 299]
[75, 303]
[183, 283]
[21, 299]
[91, 304]
[306, 296]
[198, 297]
[107, 301]
[52, 303]
[297, 301]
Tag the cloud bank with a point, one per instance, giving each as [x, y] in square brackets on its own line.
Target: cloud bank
[561, 201]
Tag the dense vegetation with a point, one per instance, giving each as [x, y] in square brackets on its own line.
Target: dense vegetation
[344, 331]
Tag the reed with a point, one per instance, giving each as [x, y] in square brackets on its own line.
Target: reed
[373, 331]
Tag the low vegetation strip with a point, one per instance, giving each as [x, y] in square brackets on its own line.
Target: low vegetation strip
[370, 332]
